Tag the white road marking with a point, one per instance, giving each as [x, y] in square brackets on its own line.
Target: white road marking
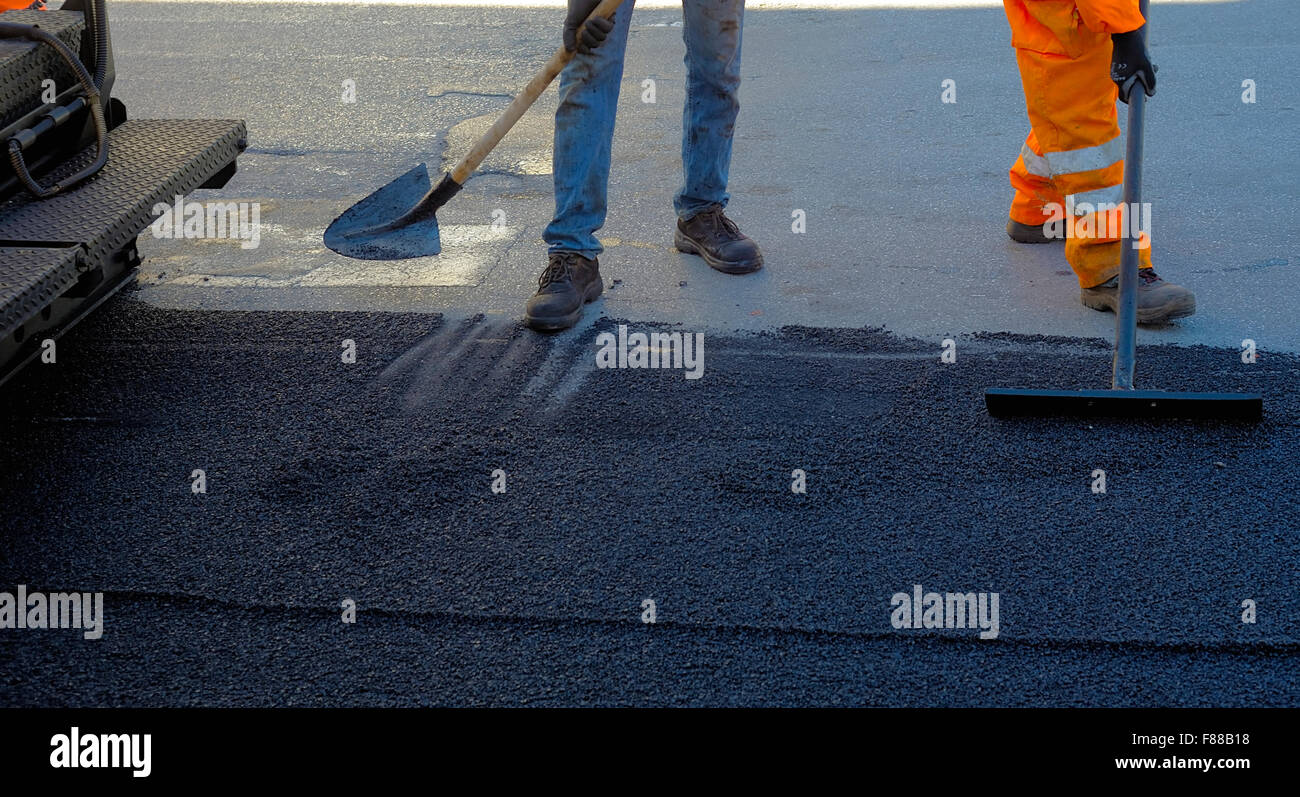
[468, 251]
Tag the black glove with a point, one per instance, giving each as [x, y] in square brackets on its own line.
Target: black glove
[592, 35]
[1129, 63]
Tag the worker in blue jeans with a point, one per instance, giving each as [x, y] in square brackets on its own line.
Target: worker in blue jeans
[584, 133]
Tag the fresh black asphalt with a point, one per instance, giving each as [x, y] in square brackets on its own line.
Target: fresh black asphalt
[372, 481]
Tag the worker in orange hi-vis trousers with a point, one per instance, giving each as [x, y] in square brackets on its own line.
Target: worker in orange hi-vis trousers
[11, 5]
[1076, 58]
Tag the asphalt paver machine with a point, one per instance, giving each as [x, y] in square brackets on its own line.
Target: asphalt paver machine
[78, 179]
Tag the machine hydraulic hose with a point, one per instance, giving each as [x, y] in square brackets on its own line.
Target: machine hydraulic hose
[59, 115]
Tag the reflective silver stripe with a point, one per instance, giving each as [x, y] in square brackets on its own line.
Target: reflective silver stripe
[1086, 159]
[1112, 195]
[1035, 164]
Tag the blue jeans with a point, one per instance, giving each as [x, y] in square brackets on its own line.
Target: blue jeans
[584, 122]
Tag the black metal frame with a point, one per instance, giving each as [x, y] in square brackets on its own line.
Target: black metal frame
[100, 260]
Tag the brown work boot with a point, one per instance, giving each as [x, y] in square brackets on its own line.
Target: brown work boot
[1158, 301]
[717, 239]
[1029, 233]
[569, 281]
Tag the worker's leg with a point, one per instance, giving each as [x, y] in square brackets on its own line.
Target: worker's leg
[1071, 104]
[1032, 180]
[712, 34]
[584, 134]
[712, 31]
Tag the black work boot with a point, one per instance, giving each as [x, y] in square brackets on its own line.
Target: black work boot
[1158, 301]
[717, 239]
[569, 281]
[1029, 233]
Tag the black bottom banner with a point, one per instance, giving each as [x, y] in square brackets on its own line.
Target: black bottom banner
[138, 747]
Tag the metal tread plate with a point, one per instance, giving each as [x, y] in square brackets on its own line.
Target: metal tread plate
[24, 64]
[150, 161]
[30, 279]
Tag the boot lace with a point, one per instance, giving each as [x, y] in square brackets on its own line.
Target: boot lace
[719, 224]
[558, 269]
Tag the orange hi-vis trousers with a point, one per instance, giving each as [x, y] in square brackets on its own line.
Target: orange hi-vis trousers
[1071, 168]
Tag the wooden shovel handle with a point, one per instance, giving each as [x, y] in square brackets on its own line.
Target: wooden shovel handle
[523, 101]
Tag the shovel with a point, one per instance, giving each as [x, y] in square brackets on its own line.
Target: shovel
[1122, 400]
[399, 220]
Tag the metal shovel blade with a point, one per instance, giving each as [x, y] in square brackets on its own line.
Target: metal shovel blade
[1011, 403]
[397, 222]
